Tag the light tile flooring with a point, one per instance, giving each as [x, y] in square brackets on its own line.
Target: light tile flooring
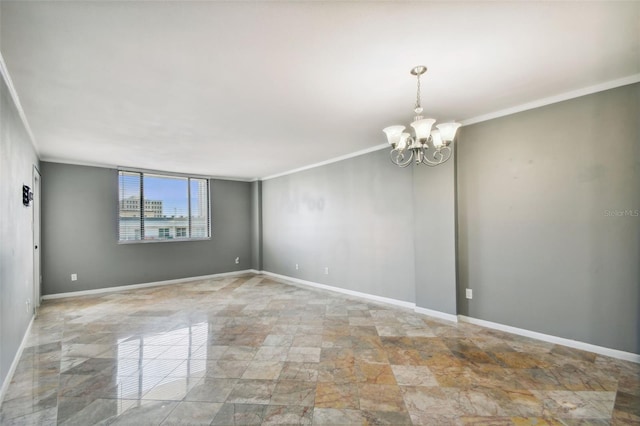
[251, 350]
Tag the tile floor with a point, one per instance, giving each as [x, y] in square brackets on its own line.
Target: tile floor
[252, 350]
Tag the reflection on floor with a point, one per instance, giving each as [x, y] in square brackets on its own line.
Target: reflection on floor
[252, 350]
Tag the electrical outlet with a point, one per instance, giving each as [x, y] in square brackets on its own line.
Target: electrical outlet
[74, 277]
[326, 270]
[237, 260]
[297, 267]
[469, 293]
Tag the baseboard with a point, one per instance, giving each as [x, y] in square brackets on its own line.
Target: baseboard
[613, 353]
[436, 314]
[367, 296]
[144, 285]
[381, 299]
[14, 364]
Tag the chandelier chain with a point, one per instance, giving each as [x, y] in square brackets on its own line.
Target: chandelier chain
[418, 95]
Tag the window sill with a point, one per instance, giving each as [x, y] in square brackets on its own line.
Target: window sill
[173, 240]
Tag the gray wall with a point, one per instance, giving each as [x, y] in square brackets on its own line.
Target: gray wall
[79, 234]
[17, 159]
[434, 236]
[256, 225]
[548, 223]
[353, 216]
[537, 240]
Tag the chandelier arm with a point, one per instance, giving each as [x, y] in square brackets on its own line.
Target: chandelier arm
[447, 153]
[439, 157]
[398, 157]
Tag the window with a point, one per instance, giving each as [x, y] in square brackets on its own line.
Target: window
[157, 207]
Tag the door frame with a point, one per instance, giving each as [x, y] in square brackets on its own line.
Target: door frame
[37, 237]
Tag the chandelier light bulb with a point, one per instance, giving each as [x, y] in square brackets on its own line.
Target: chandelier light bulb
[448, 131]
[422, 128]
[402, 144]
[437, 139]
[393, 134]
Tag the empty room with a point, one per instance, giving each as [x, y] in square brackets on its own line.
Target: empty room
[319, 212]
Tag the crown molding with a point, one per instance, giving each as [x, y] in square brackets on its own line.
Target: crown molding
[16, 100]
[635, 78]
[48, 159]
[612, 84]
[329, 161]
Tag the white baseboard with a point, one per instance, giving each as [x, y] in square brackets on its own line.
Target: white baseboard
[613, 353]
[367, 296]
[144, 285]
[437, 314]
[387, 300]
[16, 360]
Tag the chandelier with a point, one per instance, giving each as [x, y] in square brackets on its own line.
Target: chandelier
[430, 147]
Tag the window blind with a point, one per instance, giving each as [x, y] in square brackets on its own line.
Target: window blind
[157, 207]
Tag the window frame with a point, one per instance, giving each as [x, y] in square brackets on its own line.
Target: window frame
[180, 230]
[164, 233]
[156, 173]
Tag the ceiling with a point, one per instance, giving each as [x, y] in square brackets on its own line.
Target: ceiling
[252, 89]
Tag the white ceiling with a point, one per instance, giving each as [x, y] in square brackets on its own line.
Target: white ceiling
[251, 89]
